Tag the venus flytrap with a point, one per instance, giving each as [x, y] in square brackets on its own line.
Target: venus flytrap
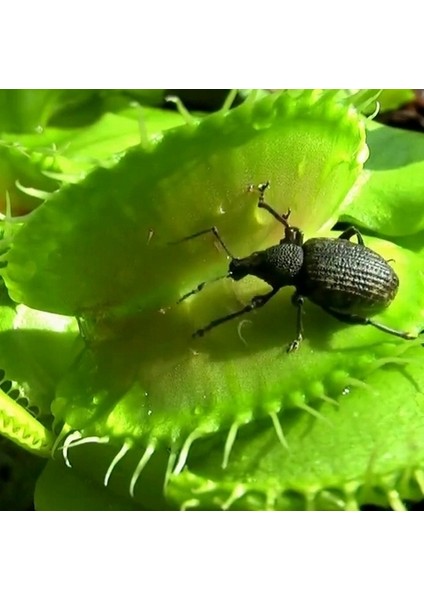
[371, 453]
[220, 400]
[143, 397]
[196, 174]
[34, 349]
[19, 426]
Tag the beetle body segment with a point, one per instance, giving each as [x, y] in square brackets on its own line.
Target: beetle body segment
[278, 265]
[347, 277]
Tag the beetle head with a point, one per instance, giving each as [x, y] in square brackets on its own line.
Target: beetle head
[241, 267]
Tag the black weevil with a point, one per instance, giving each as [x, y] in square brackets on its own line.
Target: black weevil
[349, 281]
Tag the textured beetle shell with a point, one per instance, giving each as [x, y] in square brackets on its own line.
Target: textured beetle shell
[345, 276]
[278, 265]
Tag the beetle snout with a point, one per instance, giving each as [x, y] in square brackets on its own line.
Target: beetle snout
[238, 269]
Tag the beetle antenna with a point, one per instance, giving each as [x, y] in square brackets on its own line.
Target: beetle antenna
[200, 287]
[262, 187]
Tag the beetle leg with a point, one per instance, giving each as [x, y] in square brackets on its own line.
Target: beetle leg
[200, 287]
[298, 301]
[350, 232]
[256, 302]
[214, 231]
[357, 320]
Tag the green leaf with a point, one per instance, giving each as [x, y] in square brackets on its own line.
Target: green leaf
[393, 99]
[29, 110]
[76, 152]
[35, 350]
[388, 198]
[121, 220]
[17, 165]
[152, 387]
[368, 450]
[19, 426]
[59, 488]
